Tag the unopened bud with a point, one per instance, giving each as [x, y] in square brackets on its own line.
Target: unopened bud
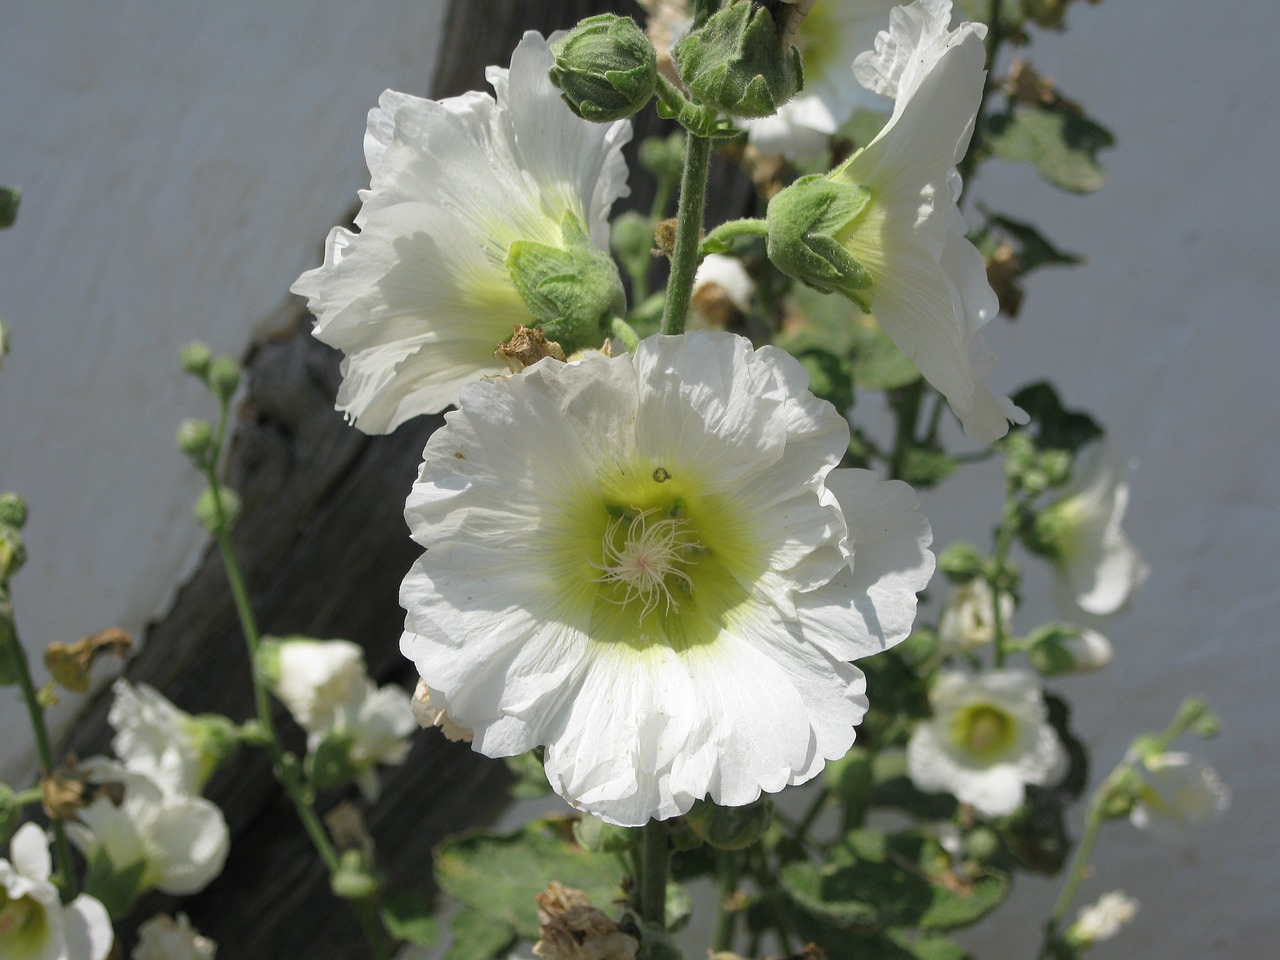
[13, 553]
[195, 358]
[573, 291]
[804, 221]
[664, 156]
[605, 68]
[207, 510]
[352, 880]
[737, 62]
[1061, 648]
[13, 511]
[224, 377]
[961, 562]
[194, 439]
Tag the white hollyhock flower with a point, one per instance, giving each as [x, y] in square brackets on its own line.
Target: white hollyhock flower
[1098, 568]
[1178, 792]
[34, 924]
[1102, 920]
[968, 620]
[884, 227]
[314, 678]
[988, 738]
[420, 297]
[722, 291]
[830, 37]
[181, 841]
[376, 726]
[166, 938]
[177, 750]
[647, 564]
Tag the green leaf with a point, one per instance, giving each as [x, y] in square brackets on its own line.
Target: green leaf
[477, 937]
[500, 875]
[955, 908]
[407, 916]
[9, 199]
[531, 777]
[932, 946]
[1055, 426]
[861, 894]
[117, 889]
[1060, 143]
[1036, 834]
[925, 467]
[1034, 249]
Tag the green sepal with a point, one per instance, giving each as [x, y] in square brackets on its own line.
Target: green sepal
[595, 835]
[605, 68]
[730, 828]
[572, 291]
[735, 62]
[117, 888]
[803, 222]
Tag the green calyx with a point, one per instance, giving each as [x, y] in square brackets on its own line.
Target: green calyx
[730, 828]
[573, 291]
[804, 220]
[605, 68]
[736, 62]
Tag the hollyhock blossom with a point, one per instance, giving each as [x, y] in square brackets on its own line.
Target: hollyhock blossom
[1102, 920]
[421, 296]
[166, 938]
[1178, 792]
[967, 622]
[1098, 568]
[884, 228]
[177, 750]
[34, 924]
[376, 727]
[829, 38]
[988, 738]
[181, 841]
[313, 678]
[647, 564]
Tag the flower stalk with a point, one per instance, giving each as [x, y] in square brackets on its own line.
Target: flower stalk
[655, 864]
[685, 256]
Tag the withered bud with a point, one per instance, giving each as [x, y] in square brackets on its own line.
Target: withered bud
[429, 715]
[526, 347]
[71, 664]
[66, 792]
[572, 929]
[346, 826]
[664, 238]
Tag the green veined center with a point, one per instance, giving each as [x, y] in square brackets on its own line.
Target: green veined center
[647, 554]
[984, 732]
[22, 922]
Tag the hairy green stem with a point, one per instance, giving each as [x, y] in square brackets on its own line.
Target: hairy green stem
[67, 886]
[624, 332]
[655, 862]
[1079, 864]
[684, 257]
[906, 404]
[722, 237]
[1004, 542]
[727, 914]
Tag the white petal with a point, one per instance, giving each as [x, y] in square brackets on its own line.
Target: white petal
[189, 842]
[30, 853]
[87, 929]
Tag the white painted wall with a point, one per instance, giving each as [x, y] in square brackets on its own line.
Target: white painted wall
[182, 163]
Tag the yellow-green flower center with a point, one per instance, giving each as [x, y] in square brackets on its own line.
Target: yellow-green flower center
[23, 924]
[653, 558]
[983, 731]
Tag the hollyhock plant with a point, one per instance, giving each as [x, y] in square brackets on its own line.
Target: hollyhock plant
[664, 583]
[1178, 792]
[468, 197]
[989, 737]
[830, 37]
[34, 923]
[884, 228]
[313, 678]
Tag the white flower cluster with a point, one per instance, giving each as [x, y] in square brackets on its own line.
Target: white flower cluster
[327, 690]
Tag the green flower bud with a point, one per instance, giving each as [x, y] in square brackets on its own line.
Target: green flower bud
[664, 156]
[605, 68]
[961, 562]
[737, 64]
[195, 358]
[632, 238]
[224, 377]
[596, 836]
[207, 510]
[982, 844]
[330, 765]
[194, 439]
[573, 292]
[804, 221]
[730, 828]
[13, 511]
[1059, 648]
[13, 553]
[353, 880]
[1056, 466]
